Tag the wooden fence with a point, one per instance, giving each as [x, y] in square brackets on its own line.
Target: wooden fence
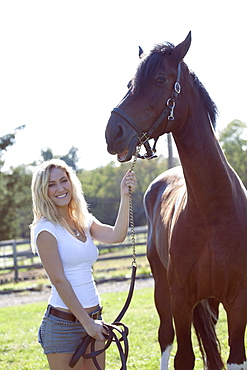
[17, 254]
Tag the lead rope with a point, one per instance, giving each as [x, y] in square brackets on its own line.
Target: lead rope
[131, 213]
[133, 243]
[117, 331]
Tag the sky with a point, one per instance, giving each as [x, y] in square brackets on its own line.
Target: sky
[65, 64]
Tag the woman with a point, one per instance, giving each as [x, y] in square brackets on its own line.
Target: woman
[62, 232]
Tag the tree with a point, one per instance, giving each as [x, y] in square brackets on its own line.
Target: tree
[8, 217]
[15, 208]
[6, 141]
[46, 153]
[234, 143]
[71, 158]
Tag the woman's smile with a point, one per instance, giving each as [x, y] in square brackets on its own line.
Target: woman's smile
[62, 196]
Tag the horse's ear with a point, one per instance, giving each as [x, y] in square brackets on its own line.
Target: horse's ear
[181, 49]
[141, 52]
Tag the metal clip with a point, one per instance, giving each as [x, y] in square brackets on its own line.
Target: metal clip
[171, 104]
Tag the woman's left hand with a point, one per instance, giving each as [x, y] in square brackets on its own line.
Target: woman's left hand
[128, 181]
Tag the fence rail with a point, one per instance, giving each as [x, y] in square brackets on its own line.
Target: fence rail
[14, 258]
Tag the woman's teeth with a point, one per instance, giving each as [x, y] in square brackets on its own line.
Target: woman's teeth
[61, 196]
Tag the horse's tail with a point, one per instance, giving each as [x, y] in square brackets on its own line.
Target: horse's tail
[203, 321]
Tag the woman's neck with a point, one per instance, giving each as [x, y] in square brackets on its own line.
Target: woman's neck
[64, 213]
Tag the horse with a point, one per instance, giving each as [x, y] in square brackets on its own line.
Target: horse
[196, 213]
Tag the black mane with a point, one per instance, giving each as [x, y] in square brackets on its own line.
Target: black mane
[152, 62]
[207, 101]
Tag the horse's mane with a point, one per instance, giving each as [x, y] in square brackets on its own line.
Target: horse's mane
[152, 62]
[207, 101]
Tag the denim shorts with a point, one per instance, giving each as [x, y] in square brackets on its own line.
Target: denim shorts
[58, 335]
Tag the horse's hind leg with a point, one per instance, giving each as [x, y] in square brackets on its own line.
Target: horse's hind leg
[237, 318]
[163, 305]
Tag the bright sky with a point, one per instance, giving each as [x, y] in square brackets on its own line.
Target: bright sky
[65, 64]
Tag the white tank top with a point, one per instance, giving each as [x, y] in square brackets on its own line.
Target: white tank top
[77, 260]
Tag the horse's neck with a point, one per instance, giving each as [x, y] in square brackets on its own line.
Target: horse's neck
[207, 173]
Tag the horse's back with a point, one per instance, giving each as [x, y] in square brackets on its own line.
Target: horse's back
[160, 202]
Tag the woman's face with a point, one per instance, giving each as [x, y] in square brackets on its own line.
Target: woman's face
[59, 187]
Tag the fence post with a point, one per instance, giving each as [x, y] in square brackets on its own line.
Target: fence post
[15, 260]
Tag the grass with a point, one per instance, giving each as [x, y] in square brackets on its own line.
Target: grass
[109, 269]
[19, 325]
[36, 285]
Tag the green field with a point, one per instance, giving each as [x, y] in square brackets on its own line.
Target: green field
[19, 325]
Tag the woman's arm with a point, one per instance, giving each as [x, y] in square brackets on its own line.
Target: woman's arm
[48, 251]
[117, 233]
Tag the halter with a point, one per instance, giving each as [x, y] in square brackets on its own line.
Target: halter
[168, 112]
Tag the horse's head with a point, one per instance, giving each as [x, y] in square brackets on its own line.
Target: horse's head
[148, 109]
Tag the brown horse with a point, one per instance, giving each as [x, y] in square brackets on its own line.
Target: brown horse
[197, 214]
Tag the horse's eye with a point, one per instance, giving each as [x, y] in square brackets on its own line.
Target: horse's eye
[161, 80]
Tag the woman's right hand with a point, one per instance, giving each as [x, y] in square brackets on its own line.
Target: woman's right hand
[95, 329]
[128, 182]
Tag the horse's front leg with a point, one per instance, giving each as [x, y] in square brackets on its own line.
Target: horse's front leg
[163, 306]
[166, 330]
[182, 313]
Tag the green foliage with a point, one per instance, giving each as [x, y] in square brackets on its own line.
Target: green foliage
[71, 158]
[15, 203]
[234, 143]
[46, 154]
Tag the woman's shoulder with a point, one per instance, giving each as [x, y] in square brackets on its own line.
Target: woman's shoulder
[43, 222]
[45, 225]
[89, 220]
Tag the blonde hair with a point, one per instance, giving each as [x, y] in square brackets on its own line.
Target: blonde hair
[43, 207]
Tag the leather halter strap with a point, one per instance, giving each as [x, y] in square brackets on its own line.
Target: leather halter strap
[168, 112]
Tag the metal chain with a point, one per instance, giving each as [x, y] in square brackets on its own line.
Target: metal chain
[131, 213]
